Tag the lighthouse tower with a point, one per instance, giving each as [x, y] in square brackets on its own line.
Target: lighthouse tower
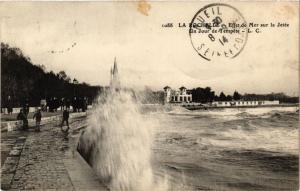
[114, 77]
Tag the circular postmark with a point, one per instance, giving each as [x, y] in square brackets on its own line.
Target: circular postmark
[218, 30]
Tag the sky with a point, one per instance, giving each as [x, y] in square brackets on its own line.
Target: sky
[82, 38]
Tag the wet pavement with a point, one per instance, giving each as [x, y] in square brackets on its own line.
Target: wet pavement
[41, 164]
[39, 160]
[8, 141]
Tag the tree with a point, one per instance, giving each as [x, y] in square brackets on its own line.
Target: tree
[62, 75]
[236, 95]
[228, 98]
[272, 96]
[41, 66]
[222, 97]
[202, 95]
[22, 80]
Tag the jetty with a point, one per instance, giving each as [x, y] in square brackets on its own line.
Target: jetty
[198, 106]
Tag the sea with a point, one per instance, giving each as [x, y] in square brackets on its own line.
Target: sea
[163, 147]
[228, 149]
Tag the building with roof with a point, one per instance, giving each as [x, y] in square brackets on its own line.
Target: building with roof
[242, 103]
[177, 96]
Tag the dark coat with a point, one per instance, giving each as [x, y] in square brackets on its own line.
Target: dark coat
[37, 116]
[66, 114]
[23, 117]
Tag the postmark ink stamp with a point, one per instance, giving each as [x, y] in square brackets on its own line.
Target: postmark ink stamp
[218, 30]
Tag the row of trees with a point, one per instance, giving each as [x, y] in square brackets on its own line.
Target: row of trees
[204, 95]
[272, 96]
[21, 80]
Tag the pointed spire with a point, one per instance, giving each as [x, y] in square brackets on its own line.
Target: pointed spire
[115, 70]
[115, 82]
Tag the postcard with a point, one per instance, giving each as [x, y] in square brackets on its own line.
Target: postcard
[149, 95]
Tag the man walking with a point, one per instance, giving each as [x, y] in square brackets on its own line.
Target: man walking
[26, 107]
[65, 119]
[22, 116]
[9, 105]
[38, 116]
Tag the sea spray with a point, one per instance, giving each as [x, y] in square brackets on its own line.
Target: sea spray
[121, 138]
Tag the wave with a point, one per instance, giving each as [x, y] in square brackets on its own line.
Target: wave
[246, 115]
[271, 130]
[121, 139]
[231, 113]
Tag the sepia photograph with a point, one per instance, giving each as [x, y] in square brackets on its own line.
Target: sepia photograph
[149, 95]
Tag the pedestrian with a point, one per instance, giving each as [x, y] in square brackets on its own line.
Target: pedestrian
[9, 106]
[51, 105]
[65, 119]
[22, 116]
[38, 117]
[26, 107]
[85, 103]
[55, 104]
[80, 104]
[62, 103]
[74, 104]
[68, 103]
[43, 105]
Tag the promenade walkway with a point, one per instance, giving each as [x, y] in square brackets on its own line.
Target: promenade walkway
[13, 117]
[46, 160]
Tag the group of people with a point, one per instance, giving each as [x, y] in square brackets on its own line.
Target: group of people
[23, 114]
[52, 104]
[78, 103]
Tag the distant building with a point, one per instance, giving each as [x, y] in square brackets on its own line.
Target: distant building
[244, 103]
[177, 96]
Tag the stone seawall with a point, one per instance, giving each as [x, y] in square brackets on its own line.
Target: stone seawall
[14, 125]
[199, 107]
